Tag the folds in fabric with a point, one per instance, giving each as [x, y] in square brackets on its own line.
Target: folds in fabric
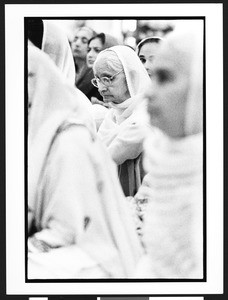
[73, 189]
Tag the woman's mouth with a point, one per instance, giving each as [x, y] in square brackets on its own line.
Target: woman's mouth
[90, 61]
[76, 50]
[107, 98]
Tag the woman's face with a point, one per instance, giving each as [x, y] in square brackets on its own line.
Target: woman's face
[117, 92]
[168, 93]
[146, 55]
[94, 48]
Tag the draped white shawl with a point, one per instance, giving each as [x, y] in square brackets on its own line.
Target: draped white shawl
[53, 101]
[173, 230]
[55, 43]
[123, 127]
[109, 247]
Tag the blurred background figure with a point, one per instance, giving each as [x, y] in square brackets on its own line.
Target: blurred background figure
[79, 46]
[146, 50]
[121, 80]
[173, 185]
[127, 31]
[153, 28]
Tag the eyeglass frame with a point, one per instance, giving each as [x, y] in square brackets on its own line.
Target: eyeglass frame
[109, 79]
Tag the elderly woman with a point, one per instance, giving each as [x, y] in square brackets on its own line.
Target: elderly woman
[121, 80]
[96, 44]
[173, 186]
[78, 224]
[146, 50]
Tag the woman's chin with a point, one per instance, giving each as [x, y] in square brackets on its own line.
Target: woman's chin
[107, 99]
[90, 65]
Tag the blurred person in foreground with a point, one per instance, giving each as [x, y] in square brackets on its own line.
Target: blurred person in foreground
[52, 40]
[173, 186]
[121, 80]
[78, 224]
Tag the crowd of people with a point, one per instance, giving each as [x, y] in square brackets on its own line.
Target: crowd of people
[115, 155]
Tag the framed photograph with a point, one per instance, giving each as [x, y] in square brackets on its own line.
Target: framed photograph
[87, 264]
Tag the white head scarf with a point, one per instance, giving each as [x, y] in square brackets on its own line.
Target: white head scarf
[55, 43]
[194, 108]
[136, 75]
[137, 81]
[190, 44]
[123, 128]
[173, 230]
[111, 240]
[53, 101]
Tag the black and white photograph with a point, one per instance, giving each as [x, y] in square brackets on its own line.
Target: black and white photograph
[117, 132]
[115, 149]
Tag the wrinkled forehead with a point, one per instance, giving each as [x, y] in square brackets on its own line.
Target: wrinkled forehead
[107, 61]
[102, 67]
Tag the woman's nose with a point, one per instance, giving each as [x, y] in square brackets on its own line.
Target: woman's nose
[90, 54]
[147, 65]
[101, 87]
[77, 42]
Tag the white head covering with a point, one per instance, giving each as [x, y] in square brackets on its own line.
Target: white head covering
[111, 241]
[53, 101]
[56, 45]
[194, 108]
[190, 45]
[136, 75]
[128, 116]
[173, 230]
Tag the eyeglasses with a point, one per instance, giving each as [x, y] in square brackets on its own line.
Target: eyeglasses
[107, 81]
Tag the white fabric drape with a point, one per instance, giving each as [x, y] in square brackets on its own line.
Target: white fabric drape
[55, 43]
[122, 128]
[71, 179]
[173, 229]
[173, 186]
[53, 101]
